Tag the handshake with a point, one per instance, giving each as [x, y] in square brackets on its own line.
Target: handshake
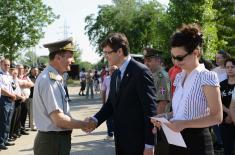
[88, 125]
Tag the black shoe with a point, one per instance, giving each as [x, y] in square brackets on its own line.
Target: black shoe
[24, 133]
[3, 147]
[69, 100]
[11, 139]
[9, 144]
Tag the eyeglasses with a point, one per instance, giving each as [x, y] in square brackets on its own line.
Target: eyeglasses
[108, 52]
[179, 58]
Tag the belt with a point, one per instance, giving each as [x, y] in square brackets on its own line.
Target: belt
[68, 132]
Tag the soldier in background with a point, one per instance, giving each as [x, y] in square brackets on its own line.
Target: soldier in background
[153, 61]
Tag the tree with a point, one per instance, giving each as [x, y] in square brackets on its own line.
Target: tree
[209, 29]
[200, 12]
[21, 25]
[86, 65]
[77, 54]
[143, 23]
[225, 23]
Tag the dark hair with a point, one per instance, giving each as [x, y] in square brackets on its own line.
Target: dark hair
[224, 54]
[115, 41]
[53, 54]
[189, 37]
[229, 60]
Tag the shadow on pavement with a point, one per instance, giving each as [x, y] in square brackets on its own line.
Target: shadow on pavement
[93, 148]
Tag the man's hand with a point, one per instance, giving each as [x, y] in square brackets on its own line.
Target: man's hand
[90, 125]
[148, 151]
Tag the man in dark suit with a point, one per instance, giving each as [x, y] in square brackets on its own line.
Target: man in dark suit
[131, 100]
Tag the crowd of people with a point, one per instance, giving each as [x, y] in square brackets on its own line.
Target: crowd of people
[196, 97]
[16, 83]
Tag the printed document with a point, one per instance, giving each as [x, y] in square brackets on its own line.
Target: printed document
[174, 138]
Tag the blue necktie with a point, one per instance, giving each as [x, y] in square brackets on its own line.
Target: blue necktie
[118, 80]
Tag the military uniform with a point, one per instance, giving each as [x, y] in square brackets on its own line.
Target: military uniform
[162, 85]
[49, 96]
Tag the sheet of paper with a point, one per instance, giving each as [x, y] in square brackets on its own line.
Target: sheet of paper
[174, 138]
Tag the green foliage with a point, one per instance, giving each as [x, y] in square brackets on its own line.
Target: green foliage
[77, 55]
[149, 24]
[143, 23]
[209, 29]
[86, 65]
[225, 23]
[21, 25]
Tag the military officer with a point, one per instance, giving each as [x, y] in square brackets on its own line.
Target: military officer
[51, 110]
[153, 61]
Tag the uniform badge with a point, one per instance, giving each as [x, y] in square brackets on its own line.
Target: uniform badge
[162, 90]
[160, 75]
[55, 77]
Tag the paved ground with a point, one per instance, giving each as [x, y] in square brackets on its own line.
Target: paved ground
[82, 144]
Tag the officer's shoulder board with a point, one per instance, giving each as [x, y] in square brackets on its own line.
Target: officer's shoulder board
[55, 77]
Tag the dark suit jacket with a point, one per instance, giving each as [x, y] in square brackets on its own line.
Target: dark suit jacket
[131, 109]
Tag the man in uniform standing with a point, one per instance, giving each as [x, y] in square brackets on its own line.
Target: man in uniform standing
[51, 108]
[153, 60]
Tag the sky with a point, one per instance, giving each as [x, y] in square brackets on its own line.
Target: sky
[71, 24]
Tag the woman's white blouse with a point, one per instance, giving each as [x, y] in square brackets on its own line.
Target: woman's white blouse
[189, 101]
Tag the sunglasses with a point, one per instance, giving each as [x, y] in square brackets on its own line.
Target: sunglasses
[179, 58]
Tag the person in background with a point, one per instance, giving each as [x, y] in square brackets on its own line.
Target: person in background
[65, 78]
[82, 76]
[232, 107]
[173, 71]
[105, 94]
[7, 99]
[196, 104]
[221, 56]
[89, 84]
[103, 73]
[153, 61]
[25, 85]
[227, 127]
[96, 82]
[34, 72]
[15, 121]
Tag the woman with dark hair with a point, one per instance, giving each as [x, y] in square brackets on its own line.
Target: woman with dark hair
[196, 104]
[227, 127]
